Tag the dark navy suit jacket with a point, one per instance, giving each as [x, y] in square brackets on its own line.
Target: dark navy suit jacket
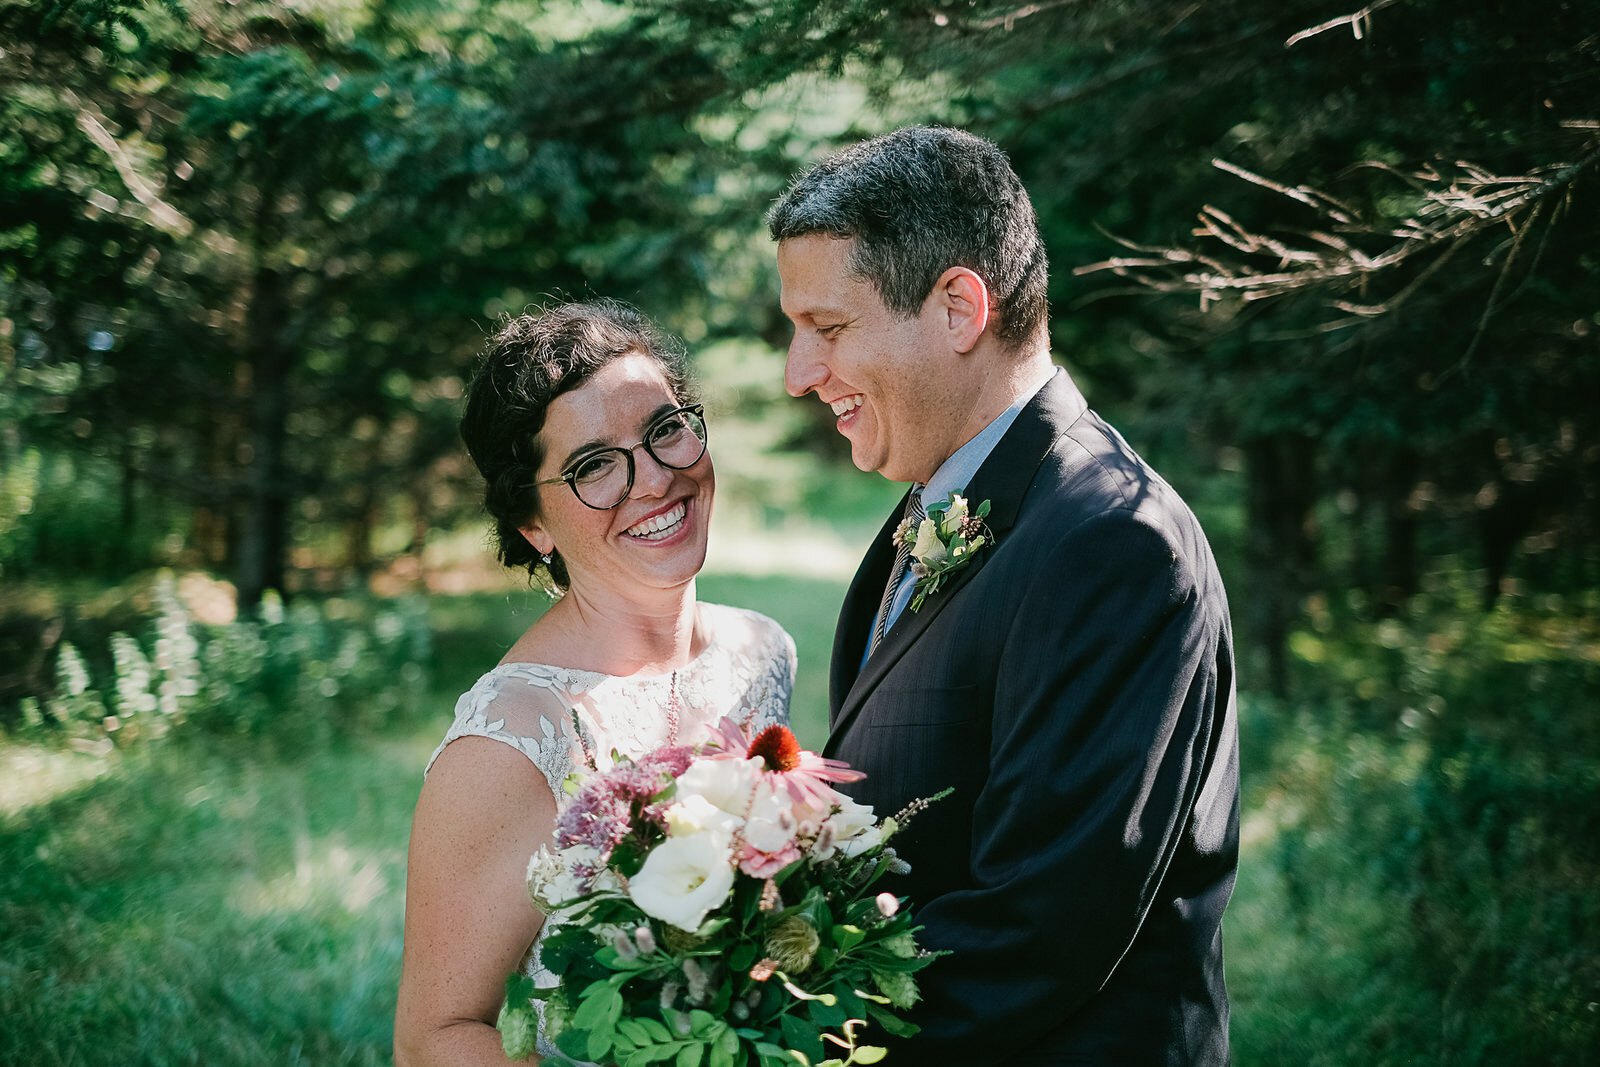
[1075, 686]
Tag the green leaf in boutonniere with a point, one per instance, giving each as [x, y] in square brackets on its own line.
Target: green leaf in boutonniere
[943, 542]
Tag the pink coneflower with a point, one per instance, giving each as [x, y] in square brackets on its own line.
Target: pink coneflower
[804, 774]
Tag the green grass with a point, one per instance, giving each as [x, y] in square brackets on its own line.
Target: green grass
[201, 905]
[1417, 883]
[201, 901]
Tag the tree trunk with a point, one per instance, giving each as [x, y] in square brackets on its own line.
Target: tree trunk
[1399, 533]
[1279, 544]
[264, 531]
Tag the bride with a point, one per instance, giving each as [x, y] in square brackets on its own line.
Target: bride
[599, 483]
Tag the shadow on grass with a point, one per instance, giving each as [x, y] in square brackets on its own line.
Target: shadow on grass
[202, 904]
[209, 901]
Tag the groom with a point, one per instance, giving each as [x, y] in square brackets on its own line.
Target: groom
[1073, 682]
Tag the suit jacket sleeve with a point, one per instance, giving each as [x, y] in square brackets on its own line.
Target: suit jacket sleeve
[1104, 706]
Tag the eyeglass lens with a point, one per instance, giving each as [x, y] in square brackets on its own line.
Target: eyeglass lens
[676, 440]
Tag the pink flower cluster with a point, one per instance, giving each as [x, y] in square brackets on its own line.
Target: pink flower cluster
[601, 814]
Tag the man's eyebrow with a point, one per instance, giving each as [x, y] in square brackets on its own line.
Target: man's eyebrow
[599, 443]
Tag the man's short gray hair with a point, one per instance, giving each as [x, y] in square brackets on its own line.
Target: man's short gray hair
[919, 201]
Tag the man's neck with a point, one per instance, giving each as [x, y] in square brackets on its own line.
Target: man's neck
[1008, 378]
[959, 468]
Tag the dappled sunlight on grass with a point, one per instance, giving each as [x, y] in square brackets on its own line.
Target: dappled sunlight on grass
[208, 904]
[31, 775]
[326, 875]
[798, 547]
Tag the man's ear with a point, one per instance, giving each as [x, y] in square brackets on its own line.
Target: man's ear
[964, 301]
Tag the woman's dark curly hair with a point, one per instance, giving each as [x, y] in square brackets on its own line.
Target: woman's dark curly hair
[531, 360]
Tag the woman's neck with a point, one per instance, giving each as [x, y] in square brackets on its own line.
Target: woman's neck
[602, 631]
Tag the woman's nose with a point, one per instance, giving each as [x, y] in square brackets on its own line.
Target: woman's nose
[650, 478]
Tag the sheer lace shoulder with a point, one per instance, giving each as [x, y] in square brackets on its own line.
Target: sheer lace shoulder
[529, 707]
[764, 661]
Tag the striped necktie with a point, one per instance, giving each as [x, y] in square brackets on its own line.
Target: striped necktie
[902, 556]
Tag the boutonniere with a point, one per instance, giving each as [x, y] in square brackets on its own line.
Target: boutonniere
[943, 542]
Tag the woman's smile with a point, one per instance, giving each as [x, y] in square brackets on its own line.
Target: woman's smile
[662, 525]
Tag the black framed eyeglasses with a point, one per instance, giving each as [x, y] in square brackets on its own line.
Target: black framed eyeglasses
[602, 479]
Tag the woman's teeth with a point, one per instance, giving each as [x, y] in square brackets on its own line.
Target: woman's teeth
[659, 526]
[845, 404]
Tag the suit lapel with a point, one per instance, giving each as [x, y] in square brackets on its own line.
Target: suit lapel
[1003, 480]
[859, 611]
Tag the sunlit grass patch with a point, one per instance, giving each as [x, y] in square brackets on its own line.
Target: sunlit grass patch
[207, 905]
[33, 774]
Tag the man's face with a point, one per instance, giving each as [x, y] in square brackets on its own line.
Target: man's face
[893, 383]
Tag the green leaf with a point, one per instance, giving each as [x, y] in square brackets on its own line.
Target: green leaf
[599, 1044]
[595, 1006]
[801, 1035]
[717, 1054]
[778, 1056]
[658, 1030]
[743, 957]
[892, 1024]
[634, 1030]
[691, 1055]
[870, 1054]
[827, 1016]
[847, 936]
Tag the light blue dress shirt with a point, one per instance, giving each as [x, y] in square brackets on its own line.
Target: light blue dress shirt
[953, 476]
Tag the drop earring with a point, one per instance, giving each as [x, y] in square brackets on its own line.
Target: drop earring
[546, 559]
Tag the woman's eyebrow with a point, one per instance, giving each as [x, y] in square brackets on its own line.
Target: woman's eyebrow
[584, 449]
[598, 443]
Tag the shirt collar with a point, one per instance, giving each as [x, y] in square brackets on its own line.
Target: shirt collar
[954, 475]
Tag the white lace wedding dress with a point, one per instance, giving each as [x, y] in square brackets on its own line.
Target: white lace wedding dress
[565, 720]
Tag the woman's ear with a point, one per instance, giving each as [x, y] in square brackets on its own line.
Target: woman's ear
[965, 300]
[537, 536]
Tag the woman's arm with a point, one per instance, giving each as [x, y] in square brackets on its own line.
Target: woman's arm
[484, 810]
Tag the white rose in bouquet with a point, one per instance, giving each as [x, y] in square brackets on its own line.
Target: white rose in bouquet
[683, 878]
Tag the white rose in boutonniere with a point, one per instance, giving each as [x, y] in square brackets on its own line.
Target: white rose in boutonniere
[943, 543]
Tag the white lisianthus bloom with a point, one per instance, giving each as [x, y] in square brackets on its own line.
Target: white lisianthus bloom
[954, 516]
[771, 826]
[683, 878]
[854, 828]
[725, 784]
[928, 549]
[552, 877]
[694, 814]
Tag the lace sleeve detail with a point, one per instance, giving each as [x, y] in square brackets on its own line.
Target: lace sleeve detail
[769, 665]
[528, 707]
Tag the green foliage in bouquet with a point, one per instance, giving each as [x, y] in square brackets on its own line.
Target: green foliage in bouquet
[777, 970]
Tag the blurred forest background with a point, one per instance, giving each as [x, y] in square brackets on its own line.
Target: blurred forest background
[1334, 269]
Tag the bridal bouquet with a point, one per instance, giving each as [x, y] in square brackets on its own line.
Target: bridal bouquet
[713, 907]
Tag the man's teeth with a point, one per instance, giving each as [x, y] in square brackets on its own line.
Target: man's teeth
[845, 404]
[659, 526]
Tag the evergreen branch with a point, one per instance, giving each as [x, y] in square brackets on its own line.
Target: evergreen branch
[1359, 22]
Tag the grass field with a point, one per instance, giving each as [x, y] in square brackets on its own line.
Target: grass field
[204, 902]
[1411, 891]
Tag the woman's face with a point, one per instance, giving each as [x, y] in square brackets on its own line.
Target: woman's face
[655, 538]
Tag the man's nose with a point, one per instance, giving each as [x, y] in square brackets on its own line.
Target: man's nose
[803, 371]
